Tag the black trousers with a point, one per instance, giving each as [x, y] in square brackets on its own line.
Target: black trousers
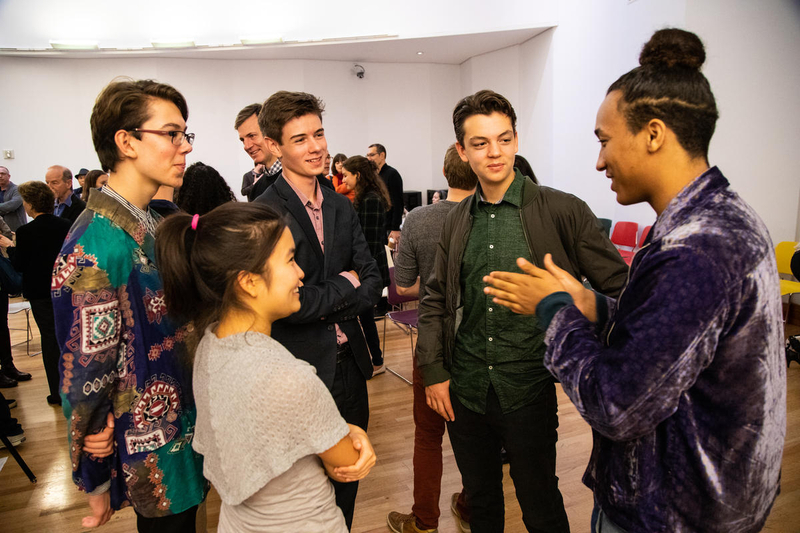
[529, 436]
[371, 335]
[51, 353]
[350, 394]
[185, 522]
[5, 335]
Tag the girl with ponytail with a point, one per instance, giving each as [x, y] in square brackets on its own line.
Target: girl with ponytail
[267, 426]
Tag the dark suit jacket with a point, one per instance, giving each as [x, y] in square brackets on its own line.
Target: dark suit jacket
[326, 298]
[394, 183]
[38, 244]
[263, 183]
[71, 212]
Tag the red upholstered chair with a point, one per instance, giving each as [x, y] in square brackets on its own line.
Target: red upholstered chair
[624, 234]
[645, 233]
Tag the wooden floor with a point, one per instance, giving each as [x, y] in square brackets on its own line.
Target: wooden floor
[54, 505]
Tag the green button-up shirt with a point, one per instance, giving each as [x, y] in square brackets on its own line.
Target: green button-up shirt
[495, 346]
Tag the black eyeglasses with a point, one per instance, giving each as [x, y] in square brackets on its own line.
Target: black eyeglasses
[177, 136]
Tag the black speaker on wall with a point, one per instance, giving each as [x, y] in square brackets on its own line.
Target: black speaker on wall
[412, 199]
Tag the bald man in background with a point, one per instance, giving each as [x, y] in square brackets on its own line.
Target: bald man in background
[68, 204]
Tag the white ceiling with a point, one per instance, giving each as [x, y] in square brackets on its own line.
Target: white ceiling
[447, 31]
[449, 49]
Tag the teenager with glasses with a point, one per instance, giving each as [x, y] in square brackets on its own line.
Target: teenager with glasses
[123, 360]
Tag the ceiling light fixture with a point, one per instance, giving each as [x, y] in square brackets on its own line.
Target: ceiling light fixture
[174, 43]
[420, 53]
[68, 44]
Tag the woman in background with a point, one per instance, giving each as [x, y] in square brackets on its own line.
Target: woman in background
[371, 203]
[267, 426]
[337, 178]
[203, 189]
[95, 179]
[38, 244]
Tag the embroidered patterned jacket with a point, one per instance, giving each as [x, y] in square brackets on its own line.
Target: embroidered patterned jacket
[121, 353]
[683, 378]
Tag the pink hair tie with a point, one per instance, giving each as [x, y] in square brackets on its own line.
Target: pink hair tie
[195, 219]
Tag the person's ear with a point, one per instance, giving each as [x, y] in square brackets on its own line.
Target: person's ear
[656, 132]
[248, 283]
[461, 152]
[273, 147]
[123, 141]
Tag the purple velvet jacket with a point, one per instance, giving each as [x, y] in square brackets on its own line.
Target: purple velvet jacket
[682, 379]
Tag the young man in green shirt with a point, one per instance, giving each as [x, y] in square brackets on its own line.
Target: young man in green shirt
[482, 364]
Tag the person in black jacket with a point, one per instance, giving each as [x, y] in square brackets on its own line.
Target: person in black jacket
[394, 182]
[267, 166]
[341, 278]
[67, 204]
[38, 244]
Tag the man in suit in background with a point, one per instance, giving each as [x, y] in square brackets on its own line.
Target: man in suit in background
[341, 278]
[267, 166]
[68, 204]
[394, 182]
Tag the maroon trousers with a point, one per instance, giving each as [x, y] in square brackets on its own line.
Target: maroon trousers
[428, 434]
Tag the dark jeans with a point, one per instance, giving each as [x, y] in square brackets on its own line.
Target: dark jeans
[51, 353]
[371, 334]
[5, 335]
[184, 522]
[529, 436]
[602, 524]
[349, 391]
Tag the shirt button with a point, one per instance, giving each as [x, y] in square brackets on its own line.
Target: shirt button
[492, 217]
[490, 309]
[491, 246]
[490, 339]
[491, 367]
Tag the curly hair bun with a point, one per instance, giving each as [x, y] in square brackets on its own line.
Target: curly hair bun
[673, 47]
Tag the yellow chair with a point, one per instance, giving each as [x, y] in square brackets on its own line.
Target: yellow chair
[784, 252]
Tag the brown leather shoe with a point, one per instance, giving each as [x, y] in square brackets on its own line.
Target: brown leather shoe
[6, 382]
[405, 523]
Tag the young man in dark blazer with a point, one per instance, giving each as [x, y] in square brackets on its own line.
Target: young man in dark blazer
[341, 278]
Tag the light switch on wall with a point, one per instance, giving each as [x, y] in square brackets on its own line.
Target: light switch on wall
[8, 154]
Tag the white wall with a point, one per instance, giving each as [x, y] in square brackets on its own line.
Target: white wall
[594, 44]
[557, 80]
[754, 68]
[49, 101]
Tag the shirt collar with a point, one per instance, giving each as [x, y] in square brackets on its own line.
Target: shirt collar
[303, 198]
[67, 202]
[142, 216]
[275, 168]
[513, 194]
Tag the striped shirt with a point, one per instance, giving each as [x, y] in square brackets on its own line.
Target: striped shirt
[145, 217]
